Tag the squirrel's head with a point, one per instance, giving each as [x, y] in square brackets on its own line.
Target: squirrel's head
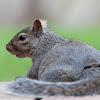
[23, 44]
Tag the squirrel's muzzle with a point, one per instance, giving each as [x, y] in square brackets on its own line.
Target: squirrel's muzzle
[9, 48]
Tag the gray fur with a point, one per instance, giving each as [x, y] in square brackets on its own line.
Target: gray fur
[39, 89]
[47, 41]
[56, 59]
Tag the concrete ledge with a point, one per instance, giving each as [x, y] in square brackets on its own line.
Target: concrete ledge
[9, 97]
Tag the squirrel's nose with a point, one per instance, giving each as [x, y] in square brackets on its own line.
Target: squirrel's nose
[9, 48]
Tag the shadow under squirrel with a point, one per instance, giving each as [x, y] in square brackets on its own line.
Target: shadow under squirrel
[61, 67]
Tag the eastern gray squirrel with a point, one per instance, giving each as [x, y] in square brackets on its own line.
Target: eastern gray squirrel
[61, 67]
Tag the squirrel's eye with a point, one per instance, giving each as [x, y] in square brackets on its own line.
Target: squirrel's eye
[22, 37]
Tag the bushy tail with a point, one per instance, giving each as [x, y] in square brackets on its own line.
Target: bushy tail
[34, 88]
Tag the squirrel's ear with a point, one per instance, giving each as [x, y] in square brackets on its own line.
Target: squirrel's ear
[38, 27]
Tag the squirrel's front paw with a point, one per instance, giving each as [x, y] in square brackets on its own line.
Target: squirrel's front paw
[18, 77]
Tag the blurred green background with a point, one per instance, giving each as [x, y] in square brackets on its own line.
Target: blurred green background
[69, 18]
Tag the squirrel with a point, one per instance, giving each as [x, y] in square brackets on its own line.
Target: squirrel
[61, 67]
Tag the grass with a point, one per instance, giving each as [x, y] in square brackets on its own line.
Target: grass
[10, 66]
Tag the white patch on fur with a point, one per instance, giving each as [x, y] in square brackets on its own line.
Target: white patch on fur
[43, 23]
